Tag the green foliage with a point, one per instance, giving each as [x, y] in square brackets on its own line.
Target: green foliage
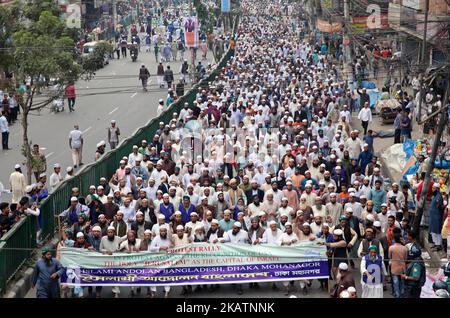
[96, 59]
[9, 22]
[32, 9]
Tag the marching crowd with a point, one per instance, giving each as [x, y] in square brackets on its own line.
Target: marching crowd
[279, 164]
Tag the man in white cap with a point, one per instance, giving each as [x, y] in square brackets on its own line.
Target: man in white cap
[113, 134]
[17, 183]
[395, 198]
[344, 280]
[160, 244]
[69, 173]
[180, 237]
[140, 225]
[236, 235]
[333, 209]
[272, 235]
[56, 177]
[156, 227]
[287, 238]
[215, 233]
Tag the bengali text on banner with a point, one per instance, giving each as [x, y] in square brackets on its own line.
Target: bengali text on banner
[198, 263]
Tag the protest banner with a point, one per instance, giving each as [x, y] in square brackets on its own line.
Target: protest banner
[198, 263]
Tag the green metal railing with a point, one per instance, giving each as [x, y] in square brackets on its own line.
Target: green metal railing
[23, 234]
[16, 247]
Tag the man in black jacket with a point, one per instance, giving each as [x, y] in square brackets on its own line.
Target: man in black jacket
[168, 77]
[254, 190]
[215, 233]
[140, 225]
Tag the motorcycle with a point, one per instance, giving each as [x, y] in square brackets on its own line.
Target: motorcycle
[58, 105]
[133, 56]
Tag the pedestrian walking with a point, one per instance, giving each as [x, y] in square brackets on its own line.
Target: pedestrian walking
[168, 77]
[17, 184]
[46, 274]
[373, 273]
[117, 48]
[4, 128]
[113, 135]
[70, 94]
[179, 88]
[365, 115]
[436, 217]
[144, 75]
[123, 47]
[38, 162]
[160, 75]
[156, 49]
[184, 70]
[76, 145]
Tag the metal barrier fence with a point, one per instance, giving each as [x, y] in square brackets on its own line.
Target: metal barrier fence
[16, 247]
[23, 234]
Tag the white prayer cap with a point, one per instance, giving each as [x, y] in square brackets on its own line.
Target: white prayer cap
[72, 199]
[436, 185]
[306, 224]
[370, 217]
[214, 221]
[284, 199]
[80, 234]
[325, 224]
[113, 121]
[96, 228]
[384, 205]
[68, 169]
[237, 224]
[349, 209]
[194, 214]
[147, 231]
[122, 162]
[92, 187]
[366, 145]
[287, 223]
[272, 222]
[28, 189]
[308, 185]
[161, 217]
[56, 165]
[177, 213]
[338, 232]
[17, 166]
[100, 188]
[343, 266]
[180, 227]
[111, 228]
[120, 212]
[333, 194]
[139, 213]
[351, 289]
[344, 294]
[377, 224]
[376, 169]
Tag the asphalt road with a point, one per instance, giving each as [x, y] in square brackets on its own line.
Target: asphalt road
[115, 93]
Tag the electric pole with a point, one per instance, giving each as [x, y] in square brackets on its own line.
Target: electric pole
[347, 50]
[423, 59]
[114, 17]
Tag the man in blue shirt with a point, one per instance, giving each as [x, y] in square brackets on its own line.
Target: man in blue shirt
[365, 157]
[378, 196]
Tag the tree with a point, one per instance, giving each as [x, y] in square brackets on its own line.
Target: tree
[43, 54]
[9, 21]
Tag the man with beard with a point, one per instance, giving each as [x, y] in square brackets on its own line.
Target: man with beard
[272, 234]
[353, 145]
[102, 223]
[46, 274]
[110, 243]
[333, 209]
[215, 233]
[199, 235]
[368, 240]
[236, 236]
[166, 208]
[194, 224]
[160, 243]
[350, 235]
[221, 205]
[319, 209]
[140, 225]
[344, 280]
[291, 195]
[316, 226]
[373, 273]
[254, 191]
[354, 206]
[288, 238]
[156, 227]
[234, 193]
[119, 225]
[255, 232]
